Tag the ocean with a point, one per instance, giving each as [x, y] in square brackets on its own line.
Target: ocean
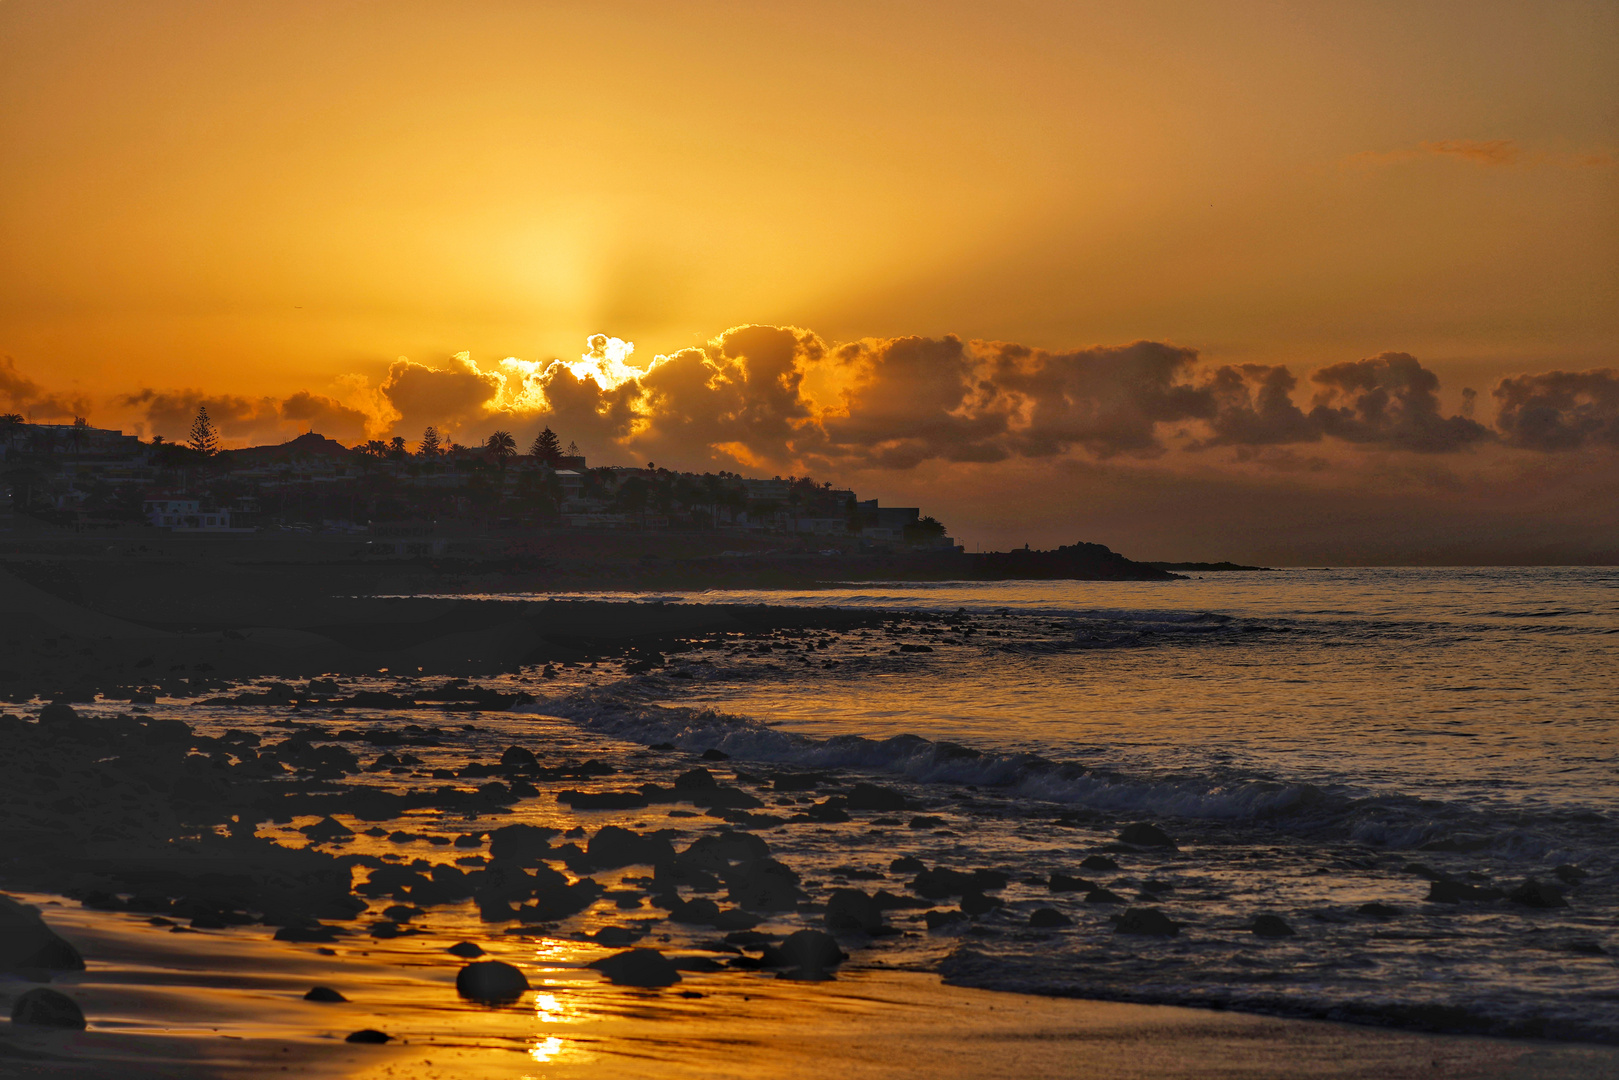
[1332, 747]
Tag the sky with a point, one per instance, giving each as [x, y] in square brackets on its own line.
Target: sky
[1294, 283]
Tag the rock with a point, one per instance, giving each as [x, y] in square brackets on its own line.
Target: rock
[613, 847]
[907, 864]
[45, 1007]
[851, 909]
[1144, 835]
[976, 903]
[637, 967]
[491, 982]
[698, 779]
[516, 757]
[466, 950]
[327, 828]
[1454, 892]
[325, 994]
[717, 851]
[1378, 911]
[306, 934]
[520, 843]
[367, 1035]
[1099, 895]
[1060, 882]
[618, 937]
[711, 754]
[469, 840]
[1270, 926]
[936, 919]
[58, 713]
[766, 885]
[698, 912]
[873, 797]
[812, 953]
[1537, 894]
[1569, 875]
[1147, 921]
[1097, 862]
[1049, 917]
[27, 944]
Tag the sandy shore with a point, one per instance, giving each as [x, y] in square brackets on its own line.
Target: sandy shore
[227, 1004]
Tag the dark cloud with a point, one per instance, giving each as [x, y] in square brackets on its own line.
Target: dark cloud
[451, 397]
[20, 394]
[243, 419]
[1390, 400]
[1559, 410]
[1254, 407]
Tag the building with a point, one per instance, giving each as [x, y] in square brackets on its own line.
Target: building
[184, 514]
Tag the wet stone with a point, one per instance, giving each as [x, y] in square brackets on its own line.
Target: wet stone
[1046, 917]
[638, 967]
[368, 1035]
[44, 1007]
[466, 950]
[491, 982]
[1270, 926]
[1142, 834]
[324, 994]
[1147, 922]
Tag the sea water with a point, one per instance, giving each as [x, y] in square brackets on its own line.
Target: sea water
[1315, 741]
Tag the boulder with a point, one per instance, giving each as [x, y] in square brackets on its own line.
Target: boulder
[1099, 895]
[1454, 892]
[45, 1007]
[810, 953]
[936, 919]
[520, 843]
[1144, 835]
[1537, 894]
[27, 944]
[490, 982]
[851, 909]
[324, 994]
[1378, 911]
[367, 1035]
[516, 757]
[1270, 926]
[907, 864]
[58, 712]
[1097, 862]
[1147, 921]
[1060, 882]
[976, 903]
[1046, 917]
[613, 847]
[698, 779]
[638, 967]
[466, 950]
[326, 829]
[873, 797]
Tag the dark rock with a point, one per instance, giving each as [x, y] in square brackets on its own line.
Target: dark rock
[1270, 926]
[45, 1007]
[1060, 882]
[812, 953]
[469, 840]
[1147, 921]
[1454, 892]
[603, 800]
[873, 797]
[717, 851]
[766, 885]
[613, 847]
[307, 933]
[520, 843]
[27, 944]
[698, 912]
[325, 994]
[1378, 911]
[491, 982]
[927, 821]
[976, 903]
[618, 937]
[1144, 835]
[1099, 895]
[368, 1035]
[1049, 917]
[466, 950]
[638, 967]
[1537, 894]
[1097, 862]
[58, 713]
[1569, 875]
[907, 864]
[851, 909]
[518, 758]
[711, 754]
[936, 919]
[698, 779]
[327, 828]
[832, 811]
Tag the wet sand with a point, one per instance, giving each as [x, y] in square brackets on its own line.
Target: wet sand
[226, 1004]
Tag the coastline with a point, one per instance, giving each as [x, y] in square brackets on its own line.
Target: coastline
[222, 1004]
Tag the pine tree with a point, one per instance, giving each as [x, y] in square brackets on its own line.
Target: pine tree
[430, 446]
[546, 447]
[204, 439]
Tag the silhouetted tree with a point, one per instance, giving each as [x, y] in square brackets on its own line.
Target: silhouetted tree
[430, 445]
[501, 446]
[396, 448]
[546, 448]
[204, 439]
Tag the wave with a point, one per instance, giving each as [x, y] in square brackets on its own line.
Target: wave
[1202, 803]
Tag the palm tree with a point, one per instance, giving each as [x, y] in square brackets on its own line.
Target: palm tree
[501, 446]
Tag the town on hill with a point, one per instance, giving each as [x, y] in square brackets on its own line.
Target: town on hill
[418, 500]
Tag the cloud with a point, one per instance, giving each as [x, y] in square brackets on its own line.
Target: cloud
[246, 419]
[1485, 153]
[1389, 400]
[20, 394]
[449, 398]
[1254, 407]
[1559, 410]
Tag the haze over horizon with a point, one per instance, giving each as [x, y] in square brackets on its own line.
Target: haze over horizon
[1282, 283]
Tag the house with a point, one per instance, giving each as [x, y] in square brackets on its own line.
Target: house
[184, 514]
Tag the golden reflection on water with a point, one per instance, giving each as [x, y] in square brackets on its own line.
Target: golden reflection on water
[546, 1049]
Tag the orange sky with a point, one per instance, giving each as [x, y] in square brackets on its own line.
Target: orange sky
[260, 201]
